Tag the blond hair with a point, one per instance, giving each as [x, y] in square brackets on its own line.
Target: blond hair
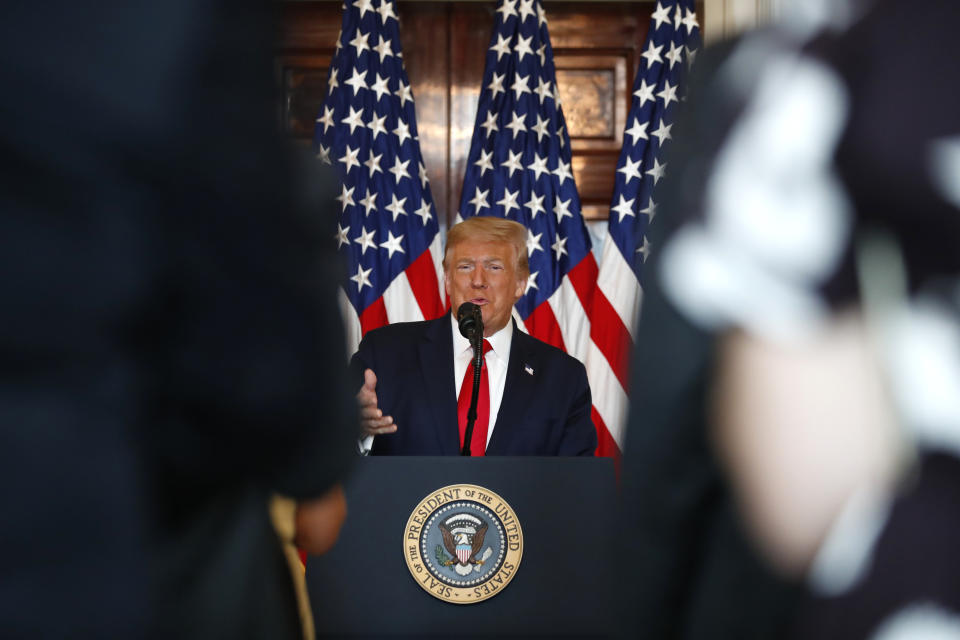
[491, 229]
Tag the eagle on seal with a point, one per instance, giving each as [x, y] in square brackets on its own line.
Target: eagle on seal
[463, 543]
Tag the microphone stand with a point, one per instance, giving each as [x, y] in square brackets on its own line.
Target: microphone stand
[477, 343]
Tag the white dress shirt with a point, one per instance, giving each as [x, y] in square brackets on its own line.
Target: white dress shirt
[497, 360]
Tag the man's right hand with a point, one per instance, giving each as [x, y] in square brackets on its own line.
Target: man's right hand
[372, 420]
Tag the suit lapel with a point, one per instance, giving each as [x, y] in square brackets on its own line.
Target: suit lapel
[436, 368]
[517, 391]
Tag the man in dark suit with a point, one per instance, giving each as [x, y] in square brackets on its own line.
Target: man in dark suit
[537, 397]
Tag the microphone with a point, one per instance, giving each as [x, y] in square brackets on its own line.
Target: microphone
[470, 321]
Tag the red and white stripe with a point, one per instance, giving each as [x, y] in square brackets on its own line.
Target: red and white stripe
[614, 311]
[568, 320]
[415, 294]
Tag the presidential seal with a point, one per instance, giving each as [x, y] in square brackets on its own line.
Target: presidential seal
[463, 543]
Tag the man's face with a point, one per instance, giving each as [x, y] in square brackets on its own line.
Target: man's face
[484, 273]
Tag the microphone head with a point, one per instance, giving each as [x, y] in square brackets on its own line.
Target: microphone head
[470, 320]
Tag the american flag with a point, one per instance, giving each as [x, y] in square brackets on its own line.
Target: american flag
[388, 229]
[519, 168]
[671, 46]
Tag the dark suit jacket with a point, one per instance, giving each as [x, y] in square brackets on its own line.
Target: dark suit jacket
[545, 413]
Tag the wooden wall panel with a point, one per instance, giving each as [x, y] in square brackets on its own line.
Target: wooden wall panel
[596, 51]
[424, 35]
[470, 27]
[308, 35]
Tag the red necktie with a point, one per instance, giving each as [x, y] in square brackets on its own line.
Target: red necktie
[478, 443]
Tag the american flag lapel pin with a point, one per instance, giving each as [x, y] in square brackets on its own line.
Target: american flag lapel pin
[528, 369]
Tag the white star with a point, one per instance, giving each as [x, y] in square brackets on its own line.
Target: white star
[509, 201]
[349, 159]
[559, 247]
[484, 162]
[522, 48]
[480, 200]
[341, 236]
[533, 242]
[531, 282]
[542, 52]
[357, 81]
[396, 207]
[369, 203]
[502, 47]
[526, 9]
[678, 18]
[543, 90]
[326, 119]
[399, 169]
[652, 54]
[535, 205]
[669, 93]
[508, 8]
[690, 21]
[363, 6]
[377, 127]
[663, 132]
[402, 131]
[373, 163]
[538, 167]
[561, 137]
[691, 56]
[661, 15]
[365, 240]
[645, 249]
[542, 128]
[362, 278]
[424, 212]
[490, 124]
[561, 208]
[339, 39]
[625, 208]
[323, 153]
[562, 171]
[520, 85]
[392, 245]
[345, 197]
[630, 170]
[380, 86]
[385, 49]
[359, 42]
[386, 10]
[516, 124]
[333, 83]
[675, 54]
[645, 92]
[637, 131]
[422, 172]
[513, 162]
[658, 171]
[355, 119]
[651, 210]
[541, 14]
[403, 92]
[496, 84]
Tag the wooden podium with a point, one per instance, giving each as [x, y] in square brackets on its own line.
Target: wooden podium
[562, 587]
